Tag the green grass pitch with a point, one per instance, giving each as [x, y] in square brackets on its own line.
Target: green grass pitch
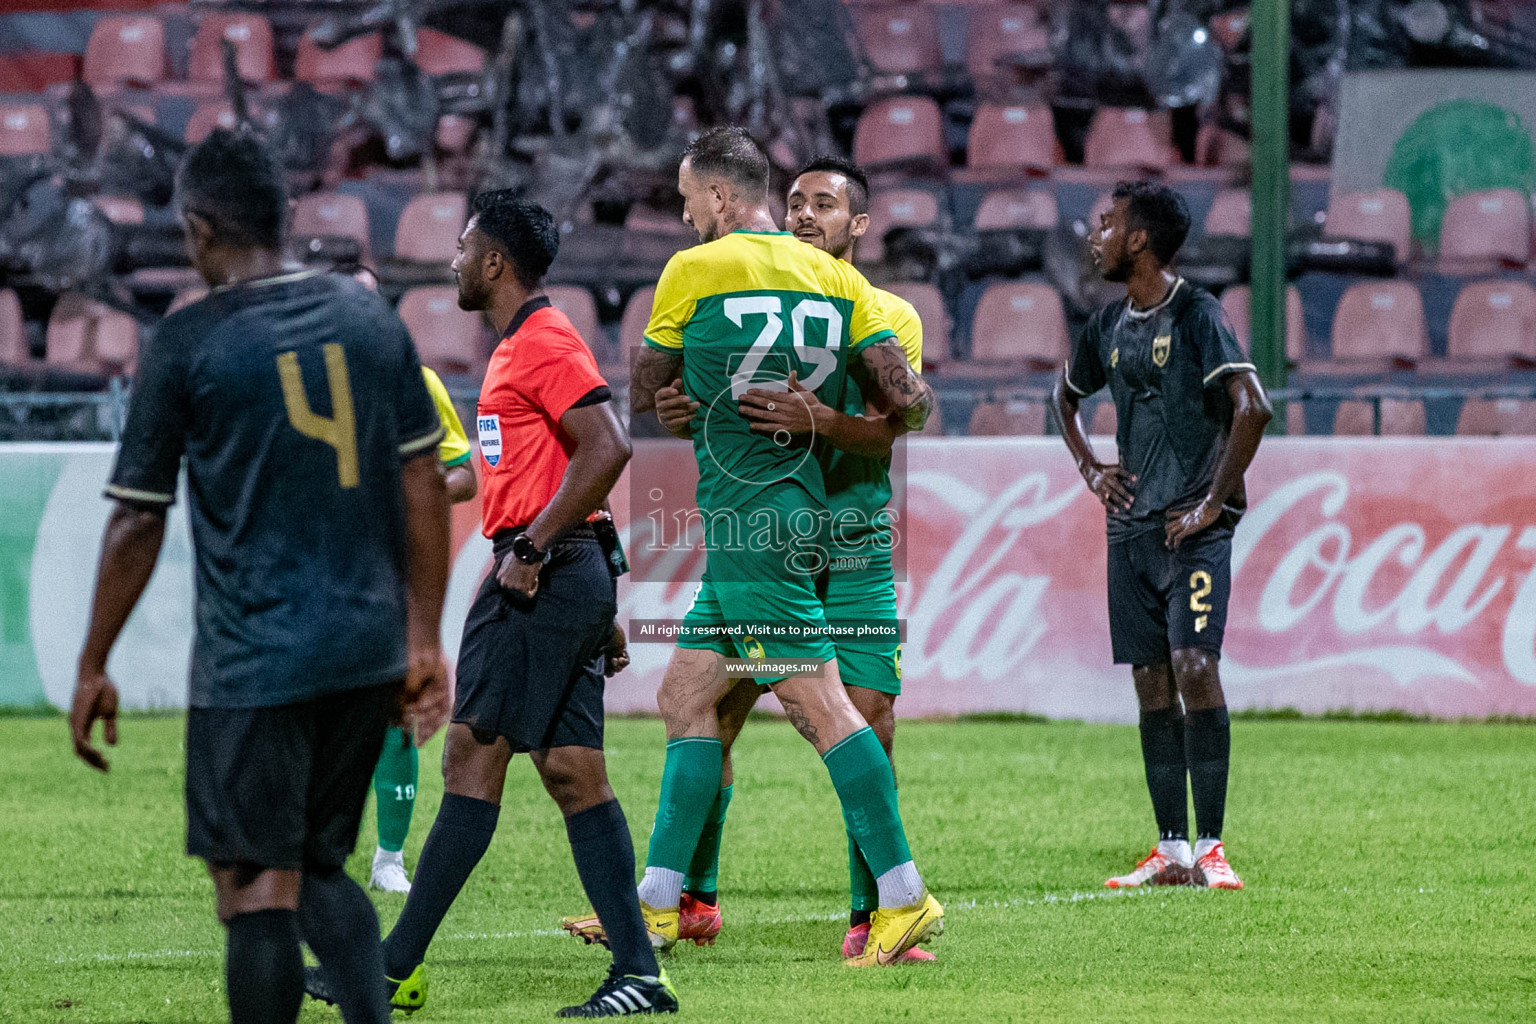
[1389, 871]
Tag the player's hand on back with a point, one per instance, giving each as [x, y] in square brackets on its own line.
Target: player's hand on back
[676, 410]
[95, 698]
[768, 412]
[1182, 523]
[1112, 485]
[616, 653]
[424, 699]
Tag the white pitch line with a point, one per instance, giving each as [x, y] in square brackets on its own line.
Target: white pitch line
[541, 933]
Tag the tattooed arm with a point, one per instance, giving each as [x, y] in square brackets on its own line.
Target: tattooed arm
[653, 370]
[901, 391]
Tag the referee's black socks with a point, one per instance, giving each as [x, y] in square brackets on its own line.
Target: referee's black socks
[342, 928]
[1208, 746]
[459, 838]
[263, 967]
[605, 860]
[1162, 750]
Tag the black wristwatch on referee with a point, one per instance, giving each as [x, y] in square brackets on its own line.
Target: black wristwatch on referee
[524, 551]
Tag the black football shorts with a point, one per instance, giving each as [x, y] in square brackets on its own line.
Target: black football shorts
[283, 787]
[1163, 600]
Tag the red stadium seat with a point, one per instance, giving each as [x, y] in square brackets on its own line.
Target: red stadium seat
[1377, 319]
[351, 62]
[1381, 215]
[454, 132]
[999, 31]
[900, 40]
[333, 214]
[1019, 321]
[1008, 419]
[1104, 420]
[1018, 139]
[895, 208]
[120, 209]
[438, 53]
[24, 129]
[907, 129]
[429, 227]
[15, 347]
[1399, 418]
[1237, 301]
[1501, 417]
[577, 303]
[637, 313]
[1016, 208]
[1492, 226]
[1493, 319]
[87, 336]
[209, 115]
[447, 338]
[251, 35]
[1231, 213]
[1123, 137]
[929, 303]
[125, 49]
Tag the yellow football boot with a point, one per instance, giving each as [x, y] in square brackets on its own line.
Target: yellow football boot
[895, 930]
[661, 925]
[409, 995]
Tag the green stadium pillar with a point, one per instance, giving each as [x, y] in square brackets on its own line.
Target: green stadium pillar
[1271, 27]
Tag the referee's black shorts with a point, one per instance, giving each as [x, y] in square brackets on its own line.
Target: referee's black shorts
[283, 787]
[1163, 600]
[532, 670]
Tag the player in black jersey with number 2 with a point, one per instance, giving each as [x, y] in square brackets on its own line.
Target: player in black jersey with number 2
[1189, 412]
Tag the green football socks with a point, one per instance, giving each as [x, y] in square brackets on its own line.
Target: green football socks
[394, 789]
[863, 893]
[862, 776]
[704, 869]
[689, 784]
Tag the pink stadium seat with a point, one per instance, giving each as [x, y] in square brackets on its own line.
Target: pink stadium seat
[1018, 321]
[1237, 301]
[1494, 226]
[454, 132]
[900, 40]
[1017, 139]
[351, 62]
[15, 349]
[637, 313]
[998, 31]
[429, 227]
[1016, 208]
[24, 129]
[1104, 420]
[1501, 417]
[1123, 137]
[1377, 319]
[1378, 216]
[125, 49]
[576, 302]
[1231, 213]
[438, 53]
[1494, 318]
[1399, 418]
[901, 130]
[1008, 419]
[120, 209]
[87, 336]
[1216, 147]
[929, 303]
[209, 115]
[447, 337]
[332, 213]
[250, 33]
[895, 208]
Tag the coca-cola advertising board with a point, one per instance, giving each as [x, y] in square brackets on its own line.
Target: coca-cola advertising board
[1368, 574]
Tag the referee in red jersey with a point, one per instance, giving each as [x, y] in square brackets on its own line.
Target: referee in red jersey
[541, 634]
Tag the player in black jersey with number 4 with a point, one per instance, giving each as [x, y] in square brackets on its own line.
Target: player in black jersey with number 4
[1190, 412]
[320, 526]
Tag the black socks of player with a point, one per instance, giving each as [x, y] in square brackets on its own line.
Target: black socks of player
[1162, 750]
[605, 860]
[459, 838]
[1208, 747]
[342, 928]
[263, 967]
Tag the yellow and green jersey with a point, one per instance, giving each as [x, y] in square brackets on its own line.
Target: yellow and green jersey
[453, 450]
[746, 310]
[859, 486]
